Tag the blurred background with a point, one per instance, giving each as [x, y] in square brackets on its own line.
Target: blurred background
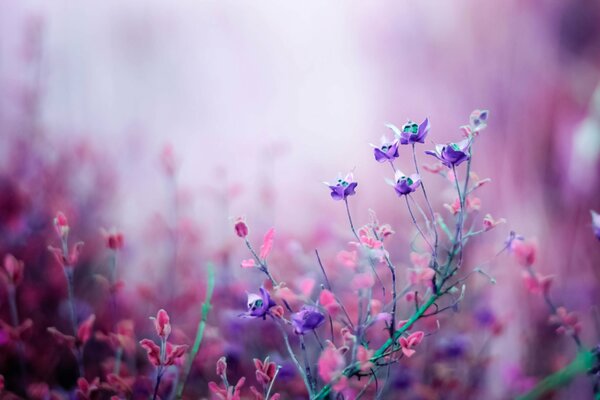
[160, 117]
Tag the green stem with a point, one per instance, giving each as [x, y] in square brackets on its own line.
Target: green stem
[199, 332]
[582, 363]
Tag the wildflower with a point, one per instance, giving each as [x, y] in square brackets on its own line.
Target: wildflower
[259, 305]
[421, 274]
[364, 280]
[408, 343]
[13, 269]
[327, 300]
[363, 356]
[477, 123]
[387, 151]
[568, 321]
[412, 132]
[307, 319]
[84, 334]
[265, 371]
[343, 187]
[367, 238]
[490, 223]
[452, 154]
[537, 283]
[405, 184]
[171, 355]
[61, 225]
[240, 227]
[162, 324]
[16, 333]
[221, 366]
[331, 362]
[229, 392]
[524, 251]
[596, 223]
[113, 239]
[67, 260]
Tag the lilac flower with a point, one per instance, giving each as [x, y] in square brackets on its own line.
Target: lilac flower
[478, 120]
[405, 184]
[259, 305]
[343, 187]
[412, 132]
[307, 319]
[452, 154]
[387, 151]
[596, 223]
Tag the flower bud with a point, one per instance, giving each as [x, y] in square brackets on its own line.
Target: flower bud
[61, 225]
[241, 229]
[221, 366]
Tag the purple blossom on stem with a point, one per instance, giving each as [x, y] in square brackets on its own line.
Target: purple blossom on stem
[387, 151]
[404, 184]
[343, 187]
[452, 154]
[412, 132]
[307, 319]
[259, 305]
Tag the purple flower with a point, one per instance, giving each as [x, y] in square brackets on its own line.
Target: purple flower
[478, 120]
[596, 223]
[452, 154]
[259, 305]
[388, 151]
[307, 319]
[343, 187]
[405, 184]
[412, 132]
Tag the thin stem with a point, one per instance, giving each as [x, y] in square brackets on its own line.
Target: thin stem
[199, 332]
[427, 201]
[295, 360]
[414, 220]
[306, 363]
[323, 270]
[272, 382]
[261, 263]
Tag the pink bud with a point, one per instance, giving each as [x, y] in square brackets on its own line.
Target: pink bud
[221, 366]
[241, 229]
[162, 324]
[14, 269]
[61, 224]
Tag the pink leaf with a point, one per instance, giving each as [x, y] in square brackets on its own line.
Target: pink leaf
[267, 245]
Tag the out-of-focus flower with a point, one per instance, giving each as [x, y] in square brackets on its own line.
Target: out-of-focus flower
[229, 393]
[307, 319]
[16, 333]
[85, 389]
[412, 132]
[471, 204]
[172, 352]
[343, 187]
[113, 239]
[568, 321]
[525, 252]
[61, 225]
[84, 333]
[421, 274]
[259, 305]
[387, 151]
[265, 371]
[331, 362]
[367, 238]
[596, 223]
[490, 223]
[240, 227]
[477, 122]
[404, 184]
[363, 356]
[248, 263]
[537, 284]
[14, 269]
[409, 343]
[267, 245]
[327, 300]
[452, 154]
[363, 280]
[162, 324]
[69, 260]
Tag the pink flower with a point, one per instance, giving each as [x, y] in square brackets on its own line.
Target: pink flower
[364, 280]
[61, 225]
[113, 239]
[524, 251]
[408, 343]
[347, 258]
[172, 352]
[69, 260]
[265, 371]
[537, 284]
[153, 351]
[240, 227]
[84, 333]
[367, 238]
[568, 321]
[229, 393]
[327, 300]
[363, 356]
[248, 263]
[13, 269]
[490, 223]
[162, 324]
[221, 366]
[331, 363]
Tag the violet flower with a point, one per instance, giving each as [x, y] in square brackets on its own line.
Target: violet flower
[412, 132]
[404, 184]
[387, 151]
[452, 154]
[343, 187]
[307, 319]
[596, 223]
[259, 305]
